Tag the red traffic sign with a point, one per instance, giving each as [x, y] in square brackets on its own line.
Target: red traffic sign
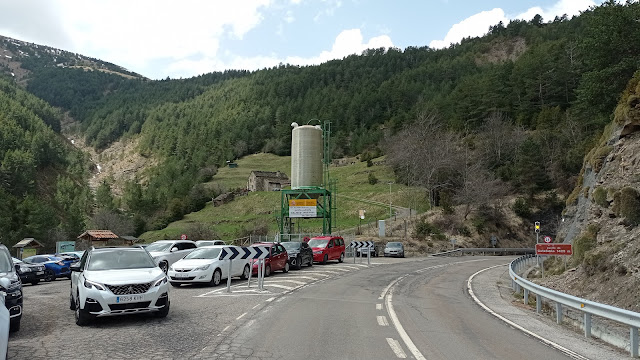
[183, 237]
[547, 239]
[554, 249]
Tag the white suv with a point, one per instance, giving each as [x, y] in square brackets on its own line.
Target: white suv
[166, 252]
[117, 281]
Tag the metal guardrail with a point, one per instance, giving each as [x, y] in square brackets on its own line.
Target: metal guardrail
[494, 251]
[630, 318]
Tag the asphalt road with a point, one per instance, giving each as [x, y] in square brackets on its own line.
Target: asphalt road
[336, 311]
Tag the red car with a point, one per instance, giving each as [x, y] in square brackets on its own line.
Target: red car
[278, 259]
[327, 248]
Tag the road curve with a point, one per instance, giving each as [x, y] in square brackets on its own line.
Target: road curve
[413, 309]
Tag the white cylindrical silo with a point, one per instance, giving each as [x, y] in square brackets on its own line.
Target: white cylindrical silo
[306, 156]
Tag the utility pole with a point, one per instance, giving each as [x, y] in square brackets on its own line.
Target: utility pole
[390, 214]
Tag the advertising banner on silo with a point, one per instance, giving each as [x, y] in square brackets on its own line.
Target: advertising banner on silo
[303, 208]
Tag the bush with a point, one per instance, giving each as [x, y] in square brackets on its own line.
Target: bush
[480, 224]
[627, 205]
[598, 156]
[584, 243]
[372, 179]
[464, 231]
[424, 228]
[600, 197]
[522, 208]
[446, 202]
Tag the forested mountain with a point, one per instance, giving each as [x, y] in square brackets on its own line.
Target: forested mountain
[43, 192]
[549, 88]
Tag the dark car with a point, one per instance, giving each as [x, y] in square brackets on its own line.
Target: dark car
[299, 254]
[29, 273]
[55, 266]
[13, 299]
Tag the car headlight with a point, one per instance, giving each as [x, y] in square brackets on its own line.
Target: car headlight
[89, 284]
[203, 267]
[160, 282]
[25, 269]
[14, 285]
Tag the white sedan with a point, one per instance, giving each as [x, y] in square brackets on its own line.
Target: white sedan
[203, 265]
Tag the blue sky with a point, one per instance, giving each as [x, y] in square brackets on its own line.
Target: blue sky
[166, 38]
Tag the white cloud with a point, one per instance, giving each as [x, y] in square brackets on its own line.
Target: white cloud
[135, 33]
[478, 24]
[348, 42]
[332, 6]
[289, 17]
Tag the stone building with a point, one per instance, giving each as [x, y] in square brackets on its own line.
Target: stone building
[267, 181]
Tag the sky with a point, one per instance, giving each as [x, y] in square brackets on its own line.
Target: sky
[181, 39]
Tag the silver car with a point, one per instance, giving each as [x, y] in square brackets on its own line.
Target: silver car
[394, 249]
[166, 252]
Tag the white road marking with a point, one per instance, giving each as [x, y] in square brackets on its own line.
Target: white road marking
[322, 272]
[317, 273]
[382, 321]
[225, 329]
[546, 341]
[256, 306]
[350, 267]
[378, 306]
[403, 334]
[279, 286]
[283, 280]
[298, 277]
[241, 316]
[270, 299]
[397, 349]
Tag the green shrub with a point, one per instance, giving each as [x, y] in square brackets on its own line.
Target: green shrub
[585, 242]
[522, 208]
[627, 205]
[372, 179]
[598, 156]
[424, 228]
[600, 196]
[464, 231]
[446, 202]
[480, 224]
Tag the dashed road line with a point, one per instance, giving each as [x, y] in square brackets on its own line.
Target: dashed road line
[241, 316]
[396, 348]
[378, 306]
[278, 285]
[382, 321]
[270, 299]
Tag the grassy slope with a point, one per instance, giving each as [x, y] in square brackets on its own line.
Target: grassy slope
[230, 220]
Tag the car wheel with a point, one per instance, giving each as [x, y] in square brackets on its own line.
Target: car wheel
[216, 278]
[298, 262]
[341, 258]
[286, 267]
[82, 316]
[164, 266]
[49, 275]
[324, 261]
[72, 305]
[163, 312]
[245, 273]
[311, 261]
[14, 324]
[174, 284]
[267, 271]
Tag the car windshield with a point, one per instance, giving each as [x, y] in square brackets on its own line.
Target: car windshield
[117, 259]
[5, 262]
[205, 243]
[394, 245]
[318, 242]
[159, 246]
[204, 253]
[291, 245]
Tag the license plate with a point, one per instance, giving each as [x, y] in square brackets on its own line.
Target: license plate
[182, 275]
[40, 273]
[131, 298]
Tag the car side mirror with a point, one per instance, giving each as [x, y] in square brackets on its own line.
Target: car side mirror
[174, 249]
[75, 267]
[17, 267]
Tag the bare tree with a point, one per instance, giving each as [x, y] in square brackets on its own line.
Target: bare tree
[425, 154]
[105, 219]
[198, 231]
[477, 187]
[499, 140]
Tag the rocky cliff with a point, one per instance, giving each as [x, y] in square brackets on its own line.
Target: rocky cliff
[602, 216]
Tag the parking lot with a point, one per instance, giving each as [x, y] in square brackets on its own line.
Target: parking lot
[198, 321]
